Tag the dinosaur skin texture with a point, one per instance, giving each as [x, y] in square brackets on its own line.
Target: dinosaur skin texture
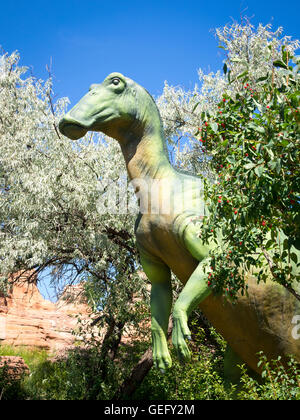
[168, 241]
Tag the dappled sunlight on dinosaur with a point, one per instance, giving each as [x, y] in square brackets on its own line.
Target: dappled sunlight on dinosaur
[169, 241]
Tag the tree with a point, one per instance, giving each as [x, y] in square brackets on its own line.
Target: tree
[52, 203]
[247, 49]
[254, 140]
[244, 126]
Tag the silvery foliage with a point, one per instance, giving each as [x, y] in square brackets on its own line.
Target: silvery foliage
[52, 190]
[247, 49]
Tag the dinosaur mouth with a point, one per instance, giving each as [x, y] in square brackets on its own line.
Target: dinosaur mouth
[72, 130]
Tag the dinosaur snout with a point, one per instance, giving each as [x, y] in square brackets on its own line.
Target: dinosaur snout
[71, 129]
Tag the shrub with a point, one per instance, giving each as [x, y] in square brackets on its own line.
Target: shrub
[280, 382]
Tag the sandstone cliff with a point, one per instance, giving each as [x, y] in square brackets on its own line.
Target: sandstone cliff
[27, 319]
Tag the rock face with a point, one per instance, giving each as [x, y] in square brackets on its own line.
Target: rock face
[27, 319]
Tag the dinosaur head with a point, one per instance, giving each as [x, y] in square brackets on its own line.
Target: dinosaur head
[117, 107]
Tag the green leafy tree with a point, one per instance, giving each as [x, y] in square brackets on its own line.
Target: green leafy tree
[254, 143]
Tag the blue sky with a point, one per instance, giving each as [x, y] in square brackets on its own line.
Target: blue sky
[149, 42]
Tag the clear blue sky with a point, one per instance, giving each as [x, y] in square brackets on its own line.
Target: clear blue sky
[148, 41]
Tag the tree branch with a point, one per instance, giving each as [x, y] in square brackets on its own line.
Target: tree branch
[139, 371]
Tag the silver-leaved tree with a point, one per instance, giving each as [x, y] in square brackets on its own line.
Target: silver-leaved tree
[65, 208]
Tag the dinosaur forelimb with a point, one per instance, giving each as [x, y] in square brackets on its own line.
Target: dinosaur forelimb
[193, 293]
[181, 332]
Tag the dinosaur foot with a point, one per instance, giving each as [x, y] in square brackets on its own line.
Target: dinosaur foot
[180, 334]
[161, 356]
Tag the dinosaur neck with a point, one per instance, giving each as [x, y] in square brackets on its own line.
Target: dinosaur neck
[146, 157]
[145, 153]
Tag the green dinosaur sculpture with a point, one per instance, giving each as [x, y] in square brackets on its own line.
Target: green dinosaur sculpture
[169, 240]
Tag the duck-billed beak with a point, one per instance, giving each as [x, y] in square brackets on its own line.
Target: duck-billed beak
[71, 128]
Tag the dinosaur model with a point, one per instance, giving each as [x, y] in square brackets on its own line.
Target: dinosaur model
[169, 240]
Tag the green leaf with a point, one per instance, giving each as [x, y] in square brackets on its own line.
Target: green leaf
[270, 152]
[272, 164]
[259, 106]
[225, 68]
[294, 100]
[242, 74]
[269, 244]
[250, 165]
[278, 166]
[294, 257]
[279, 63]
[284, 143]
[195, 106]
[285, 54]
[223, 142]
[257, 128]
[263, 78]
[230, 159]
[259, 170]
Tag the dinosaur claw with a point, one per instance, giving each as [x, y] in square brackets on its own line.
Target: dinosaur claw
[188, 337]
[162, 371]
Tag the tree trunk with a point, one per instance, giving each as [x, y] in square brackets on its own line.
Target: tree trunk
[139, 372]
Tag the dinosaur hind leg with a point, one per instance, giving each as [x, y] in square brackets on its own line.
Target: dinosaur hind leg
[233, 372]
[161, 300]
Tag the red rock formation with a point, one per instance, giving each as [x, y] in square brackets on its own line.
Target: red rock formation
[27, 319]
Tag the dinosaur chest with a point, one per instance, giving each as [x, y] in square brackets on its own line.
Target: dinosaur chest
[157, 237]
[154, 233]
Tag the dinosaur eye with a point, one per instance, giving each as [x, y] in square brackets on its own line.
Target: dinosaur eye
[116, 81]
